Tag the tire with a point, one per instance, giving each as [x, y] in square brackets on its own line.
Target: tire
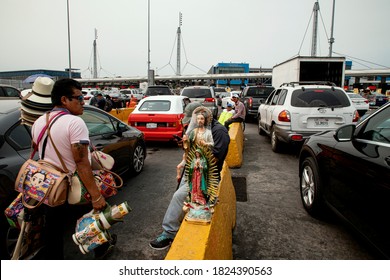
[275, 142]
[259, 129]
[310, 188]
[137, 160]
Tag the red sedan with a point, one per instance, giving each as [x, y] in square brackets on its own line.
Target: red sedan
[159, 117]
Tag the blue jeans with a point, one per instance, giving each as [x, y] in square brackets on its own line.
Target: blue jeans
[175, 214]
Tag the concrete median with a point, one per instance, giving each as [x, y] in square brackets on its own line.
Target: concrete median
[122, 113]
[211, 241]
[234, 157]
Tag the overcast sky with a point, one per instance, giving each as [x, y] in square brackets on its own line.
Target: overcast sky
[259, 32]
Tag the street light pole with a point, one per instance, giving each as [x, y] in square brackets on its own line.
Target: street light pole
[331, 40]
[149, 78]
[70, 60]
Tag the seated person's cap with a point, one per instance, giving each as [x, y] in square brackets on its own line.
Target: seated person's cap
[189, 110]
[230, 105]
[235, 95]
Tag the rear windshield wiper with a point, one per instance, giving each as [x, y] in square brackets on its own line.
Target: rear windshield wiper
[330, 107]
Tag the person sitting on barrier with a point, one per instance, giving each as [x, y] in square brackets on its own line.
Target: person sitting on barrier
[175, 214]
[226, 113]
[239, 116]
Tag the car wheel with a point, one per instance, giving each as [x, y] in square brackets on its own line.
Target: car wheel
[275, 142]
[310, 186]
[138, 159]
[260, 130]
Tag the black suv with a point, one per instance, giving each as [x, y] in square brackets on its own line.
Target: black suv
[158, 90]
[253, 96]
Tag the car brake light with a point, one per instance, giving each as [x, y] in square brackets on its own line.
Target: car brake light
[296, 137]
[171, 124]
[250, 102]
[209, 100]
[356, 116]
[284, 116]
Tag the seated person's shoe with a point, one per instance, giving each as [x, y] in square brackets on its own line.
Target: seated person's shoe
[161, 242]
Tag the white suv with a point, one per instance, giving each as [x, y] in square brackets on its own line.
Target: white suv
[294, 111]
[204, 95]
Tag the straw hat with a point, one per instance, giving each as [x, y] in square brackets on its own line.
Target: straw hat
[40, 92]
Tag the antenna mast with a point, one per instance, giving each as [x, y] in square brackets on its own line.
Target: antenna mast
[95, 56]
[316, 8]
[178, 72]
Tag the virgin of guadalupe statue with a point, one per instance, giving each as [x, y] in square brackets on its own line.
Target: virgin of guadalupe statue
[197, 178]
[200, 169]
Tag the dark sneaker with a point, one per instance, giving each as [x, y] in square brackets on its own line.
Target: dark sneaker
[161, 242]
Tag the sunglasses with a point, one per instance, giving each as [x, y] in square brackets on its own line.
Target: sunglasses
[80, 98]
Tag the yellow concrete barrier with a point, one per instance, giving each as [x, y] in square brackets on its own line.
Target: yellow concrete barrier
[210, 241]
[236, 147]
[122, 113]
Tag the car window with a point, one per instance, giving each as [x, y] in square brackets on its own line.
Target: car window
[98, 123]
[269, 99]
[259, 91]
[19, 137]
[11, 92]
[155, 105]
[319, 97]
[275, 98]
[158, 91]
[377, 128]
[282, 97]
[197, 93]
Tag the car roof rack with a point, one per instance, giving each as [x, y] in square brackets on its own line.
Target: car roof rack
[322, 83]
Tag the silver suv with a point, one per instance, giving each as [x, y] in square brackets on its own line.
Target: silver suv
[202, 94]
[295, 111]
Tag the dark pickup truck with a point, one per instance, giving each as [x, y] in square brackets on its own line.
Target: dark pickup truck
[252, 97]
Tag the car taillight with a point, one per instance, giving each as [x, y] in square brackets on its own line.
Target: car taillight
[356, 116]
[209, 100]
[296, 137]
[284, 116]
[171, 124]
[250, 102]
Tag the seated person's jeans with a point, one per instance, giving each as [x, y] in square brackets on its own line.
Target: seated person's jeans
[175, 214]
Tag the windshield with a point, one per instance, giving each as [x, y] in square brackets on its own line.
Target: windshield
[197, 93]
[319, 97]
[155, 105]
[259, 91]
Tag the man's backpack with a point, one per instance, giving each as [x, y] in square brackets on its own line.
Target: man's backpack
[108, 106]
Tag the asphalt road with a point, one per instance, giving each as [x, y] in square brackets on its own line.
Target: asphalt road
[271, 223]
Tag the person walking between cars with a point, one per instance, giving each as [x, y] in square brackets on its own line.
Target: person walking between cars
[101, 102]
[71, 137]
[239, 116]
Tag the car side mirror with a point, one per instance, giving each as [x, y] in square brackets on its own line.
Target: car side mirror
[345, 133]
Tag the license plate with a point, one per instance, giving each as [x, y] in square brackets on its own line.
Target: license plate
[321, 122]
[151, 125]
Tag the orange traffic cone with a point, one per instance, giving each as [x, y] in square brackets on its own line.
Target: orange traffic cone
[133, 103]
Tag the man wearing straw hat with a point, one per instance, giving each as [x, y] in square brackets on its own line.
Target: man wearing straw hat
[70, 135]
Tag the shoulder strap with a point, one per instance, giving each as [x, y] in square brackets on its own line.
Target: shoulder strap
[54, 146]
[40, 136]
